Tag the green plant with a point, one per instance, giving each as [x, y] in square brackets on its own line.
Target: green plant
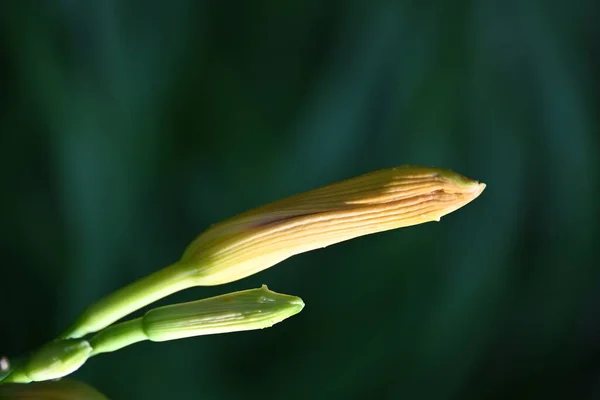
[242, 246]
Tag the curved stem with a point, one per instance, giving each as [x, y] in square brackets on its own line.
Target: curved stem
[131, 298]
[117, 336]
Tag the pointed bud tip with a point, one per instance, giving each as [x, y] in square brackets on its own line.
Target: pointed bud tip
[457, 192]
[296, 304]
[297, 301]
[475, 188]
[481, 187]
[293, 304]
[464, 185]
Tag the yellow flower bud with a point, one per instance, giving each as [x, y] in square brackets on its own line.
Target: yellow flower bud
[374, 202]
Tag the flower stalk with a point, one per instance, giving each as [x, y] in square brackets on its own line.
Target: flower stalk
[234, 312]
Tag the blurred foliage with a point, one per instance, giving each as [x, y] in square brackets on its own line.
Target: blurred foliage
[65, 389]
[127, 127]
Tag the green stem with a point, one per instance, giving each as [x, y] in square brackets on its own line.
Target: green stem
[117, 336]
[130, 298]
[16, 372]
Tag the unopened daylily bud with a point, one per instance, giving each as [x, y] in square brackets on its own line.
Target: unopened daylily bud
[258, 239]
[52, 361]
[233, 312]
[375, 202]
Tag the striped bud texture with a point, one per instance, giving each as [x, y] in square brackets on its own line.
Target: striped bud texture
[233, 312]
[239, 311]
[374, 202]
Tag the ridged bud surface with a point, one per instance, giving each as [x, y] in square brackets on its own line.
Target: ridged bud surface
[374, 202]
[239, 311]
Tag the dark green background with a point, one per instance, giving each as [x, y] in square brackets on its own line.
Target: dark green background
[128, 127]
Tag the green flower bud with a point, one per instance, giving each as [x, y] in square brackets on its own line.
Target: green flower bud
[239, 311]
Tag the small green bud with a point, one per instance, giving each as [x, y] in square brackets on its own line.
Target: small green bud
[239, 311]
[57, 359]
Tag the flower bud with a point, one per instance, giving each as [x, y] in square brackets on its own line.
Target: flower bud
[258, 239]
[238, 311]
[375, 202]
[233, 312]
